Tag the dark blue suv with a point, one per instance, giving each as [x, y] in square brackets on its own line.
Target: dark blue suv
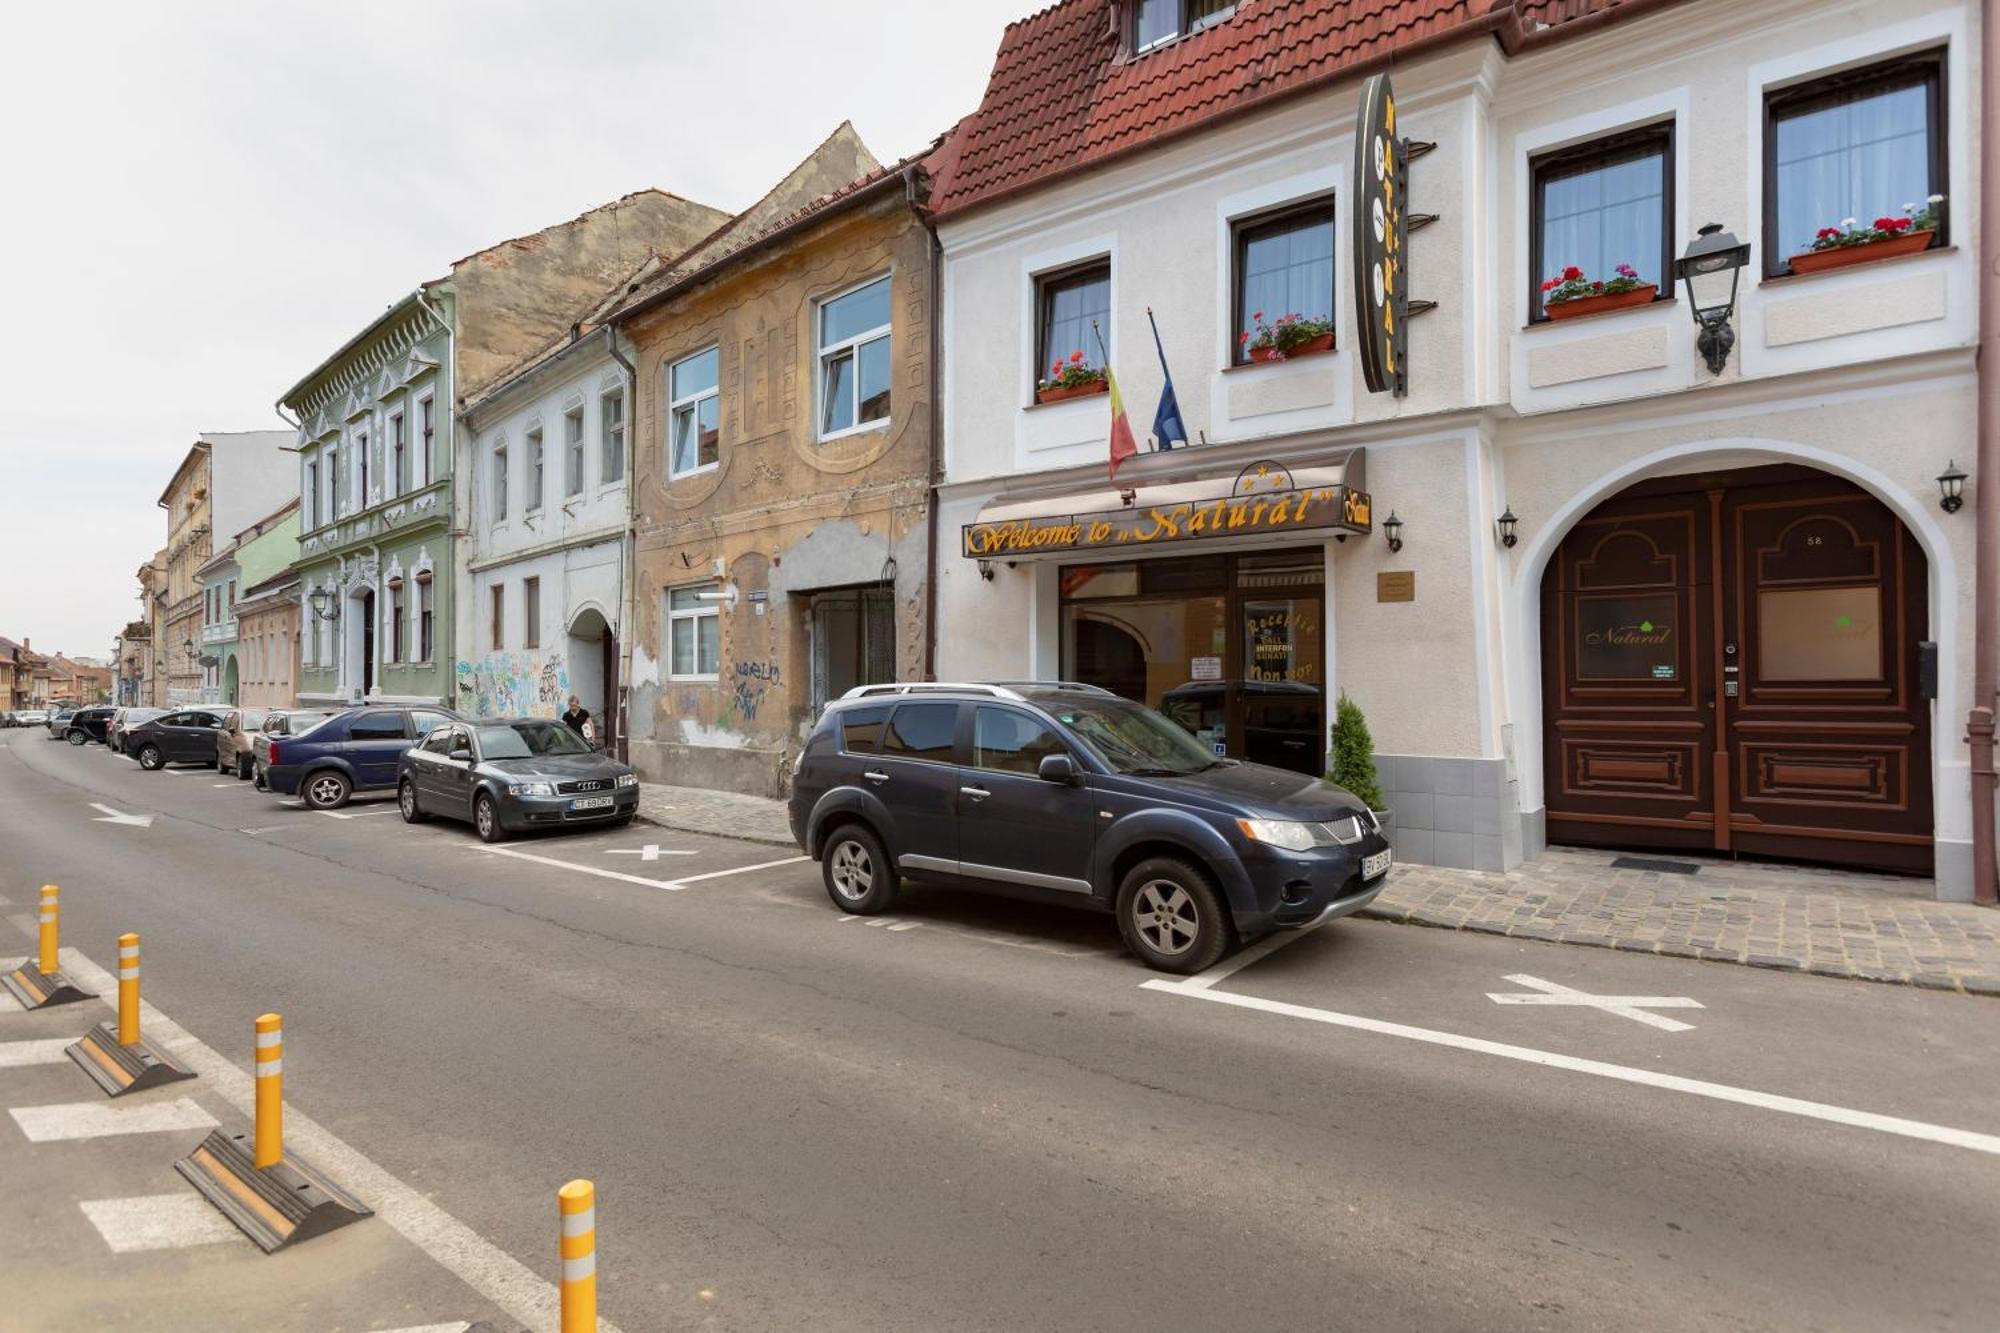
[357, 750]
[1067, 793]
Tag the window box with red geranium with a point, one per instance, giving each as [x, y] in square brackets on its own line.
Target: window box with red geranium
[1286, 337]
[1074, 378]
[1574, 294]
[1884, 238]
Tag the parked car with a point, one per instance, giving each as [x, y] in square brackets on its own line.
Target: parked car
[182, 736]
[88, 724]
[282, 722]
[513, 774]
[1283, 721]
[1069, 794]
[354, 751]
[30, 717]
[123, 720]
[58, 722]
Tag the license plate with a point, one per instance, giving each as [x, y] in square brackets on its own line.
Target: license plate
[1378, 864]
[593, 803]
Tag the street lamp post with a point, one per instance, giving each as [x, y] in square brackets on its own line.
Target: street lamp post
[1710, 269]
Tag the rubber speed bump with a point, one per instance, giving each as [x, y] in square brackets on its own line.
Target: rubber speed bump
[38, 983]
[276, 1200]
[119, 1059]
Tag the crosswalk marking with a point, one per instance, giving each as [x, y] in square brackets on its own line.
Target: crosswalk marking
[158, 1222]
[16, 1054]
[96, 1120]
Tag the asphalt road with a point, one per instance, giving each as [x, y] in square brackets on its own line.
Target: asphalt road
[976, 1115]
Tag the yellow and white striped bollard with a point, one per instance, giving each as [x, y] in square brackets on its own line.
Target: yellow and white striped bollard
[578, 1204]
[45, 954]
[128, 990]
[270, 1141]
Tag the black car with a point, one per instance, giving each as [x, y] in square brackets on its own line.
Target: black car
[182, 736]
[508, 775]
[88, 724]
[1067, 793]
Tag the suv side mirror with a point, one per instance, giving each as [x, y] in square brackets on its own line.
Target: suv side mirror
[1057, 768]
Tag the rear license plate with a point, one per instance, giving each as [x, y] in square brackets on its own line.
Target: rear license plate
[1378, 864]
[592, 803]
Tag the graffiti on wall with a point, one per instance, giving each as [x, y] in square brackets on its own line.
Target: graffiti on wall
[750, 681]
[515, 684]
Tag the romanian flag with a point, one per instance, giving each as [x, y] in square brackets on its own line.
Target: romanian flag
[1123, 446]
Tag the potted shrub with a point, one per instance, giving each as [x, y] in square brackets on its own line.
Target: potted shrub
[1574, 294]
[1074, 378]
[1353, 759]
[1884, 238]
[1286, 336]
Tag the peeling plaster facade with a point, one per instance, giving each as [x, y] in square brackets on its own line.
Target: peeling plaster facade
[785, 521]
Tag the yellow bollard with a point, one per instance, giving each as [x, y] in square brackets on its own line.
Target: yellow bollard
[578, 1204]
[270, 1141]
[128, 990]
[46, 955]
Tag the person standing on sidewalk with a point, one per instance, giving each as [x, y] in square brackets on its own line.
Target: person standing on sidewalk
[577, 719]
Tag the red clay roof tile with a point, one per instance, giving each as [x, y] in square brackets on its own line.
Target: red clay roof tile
[1063, 95]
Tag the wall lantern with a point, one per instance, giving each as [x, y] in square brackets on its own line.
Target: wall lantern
[187, 647]
[1709, 269]
[1505, 525]
[986, 570]
[319, 601]
[1392, 528]
[1951, 485]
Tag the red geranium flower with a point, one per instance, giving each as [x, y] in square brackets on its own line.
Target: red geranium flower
[1572, 273]
[1827, 233]
[1551, 284]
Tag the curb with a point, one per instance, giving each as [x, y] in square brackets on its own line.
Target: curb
[738, 834]
[1939, 981]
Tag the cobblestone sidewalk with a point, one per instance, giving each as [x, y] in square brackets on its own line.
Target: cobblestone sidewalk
[1793, 918]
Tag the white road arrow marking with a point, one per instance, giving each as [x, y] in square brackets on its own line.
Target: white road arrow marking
[1625, 1006]
[652, 851]
[114, 817]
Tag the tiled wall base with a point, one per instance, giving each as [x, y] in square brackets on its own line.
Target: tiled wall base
[1463, 813]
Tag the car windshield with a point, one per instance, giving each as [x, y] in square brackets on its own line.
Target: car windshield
[1133, 739]
[524, 740]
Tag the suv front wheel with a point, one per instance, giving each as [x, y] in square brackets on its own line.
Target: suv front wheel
[857, 872]
[1172, 917]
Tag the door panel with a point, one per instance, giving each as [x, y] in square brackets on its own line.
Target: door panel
[1013, 826]
[916, 776]
[1729, 662]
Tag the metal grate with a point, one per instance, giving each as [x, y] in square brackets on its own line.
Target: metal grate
[1654, 863]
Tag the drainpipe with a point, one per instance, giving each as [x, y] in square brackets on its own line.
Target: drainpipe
[1979, 722]
[628, 572]
[936, 280]
[461, 578]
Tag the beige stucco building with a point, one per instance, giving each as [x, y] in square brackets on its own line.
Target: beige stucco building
[780, 482]
[1727, 612]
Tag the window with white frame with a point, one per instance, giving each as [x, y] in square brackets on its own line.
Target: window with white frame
[397, 624]
[498, 592]
[361, 477]
[531, 613]
[1072, 311]
[573, 451]
[1157, 21]
[1603, 206]
[1284, 276]
[694, 415]
[854, 370]
[694, 635]
[333, 481]
[499, 481]
[399, 463]
[424, 616]
[426, 432]
[311, 492]
[536, 476]
[611, 422]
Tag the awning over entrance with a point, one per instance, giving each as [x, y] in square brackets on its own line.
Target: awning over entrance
[1264, 500]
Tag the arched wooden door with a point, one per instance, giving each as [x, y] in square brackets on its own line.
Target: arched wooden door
[1730, 662]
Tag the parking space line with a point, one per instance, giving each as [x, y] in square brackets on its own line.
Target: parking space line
[740, 870]
[1196, 988]
[598, 871]
[96, 1120]
[159, 1222]
[359, 814]
[20, 1054]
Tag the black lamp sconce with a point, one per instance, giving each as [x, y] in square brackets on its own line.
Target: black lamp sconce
[1505, 527]
[1951, 488]
[1392, 528]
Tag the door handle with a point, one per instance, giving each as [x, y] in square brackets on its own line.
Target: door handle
[874, 776]
[976, 793]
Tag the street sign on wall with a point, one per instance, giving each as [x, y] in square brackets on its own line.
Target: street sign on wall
[1381, 239]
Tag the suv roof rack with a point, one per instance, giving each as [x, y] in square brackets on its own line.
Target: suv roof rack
[1007, 689]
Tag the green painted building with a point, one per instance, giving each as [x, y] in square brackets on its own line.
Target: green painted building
[253, 555]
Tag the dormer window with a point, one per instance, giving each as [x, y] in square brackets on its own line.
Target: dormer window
[1158, 21]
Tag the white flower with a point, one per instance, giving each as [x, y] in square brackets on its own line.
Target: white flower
[1849, 223]
[1909, 208]
[1937, 199]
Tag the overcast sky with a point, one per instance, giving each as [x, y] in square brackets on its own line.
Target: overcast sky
[203, 199]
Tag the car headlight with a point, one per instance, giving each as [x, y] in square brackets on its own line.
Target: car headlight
[531, 789]
[628, 779]
[1298, 837]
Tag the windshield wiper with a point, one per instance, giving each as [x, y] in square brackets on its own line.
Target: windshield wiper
[1157, 772]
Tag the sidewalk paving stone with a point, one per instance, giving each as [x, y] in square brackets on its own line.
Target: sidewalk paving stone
[1824, 921]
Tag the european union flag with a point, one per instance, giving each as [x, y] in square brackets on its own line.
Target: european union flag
[1169, 431]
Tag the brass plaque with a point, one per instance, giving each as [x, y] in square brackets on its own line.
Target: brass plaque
[1396, 585]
